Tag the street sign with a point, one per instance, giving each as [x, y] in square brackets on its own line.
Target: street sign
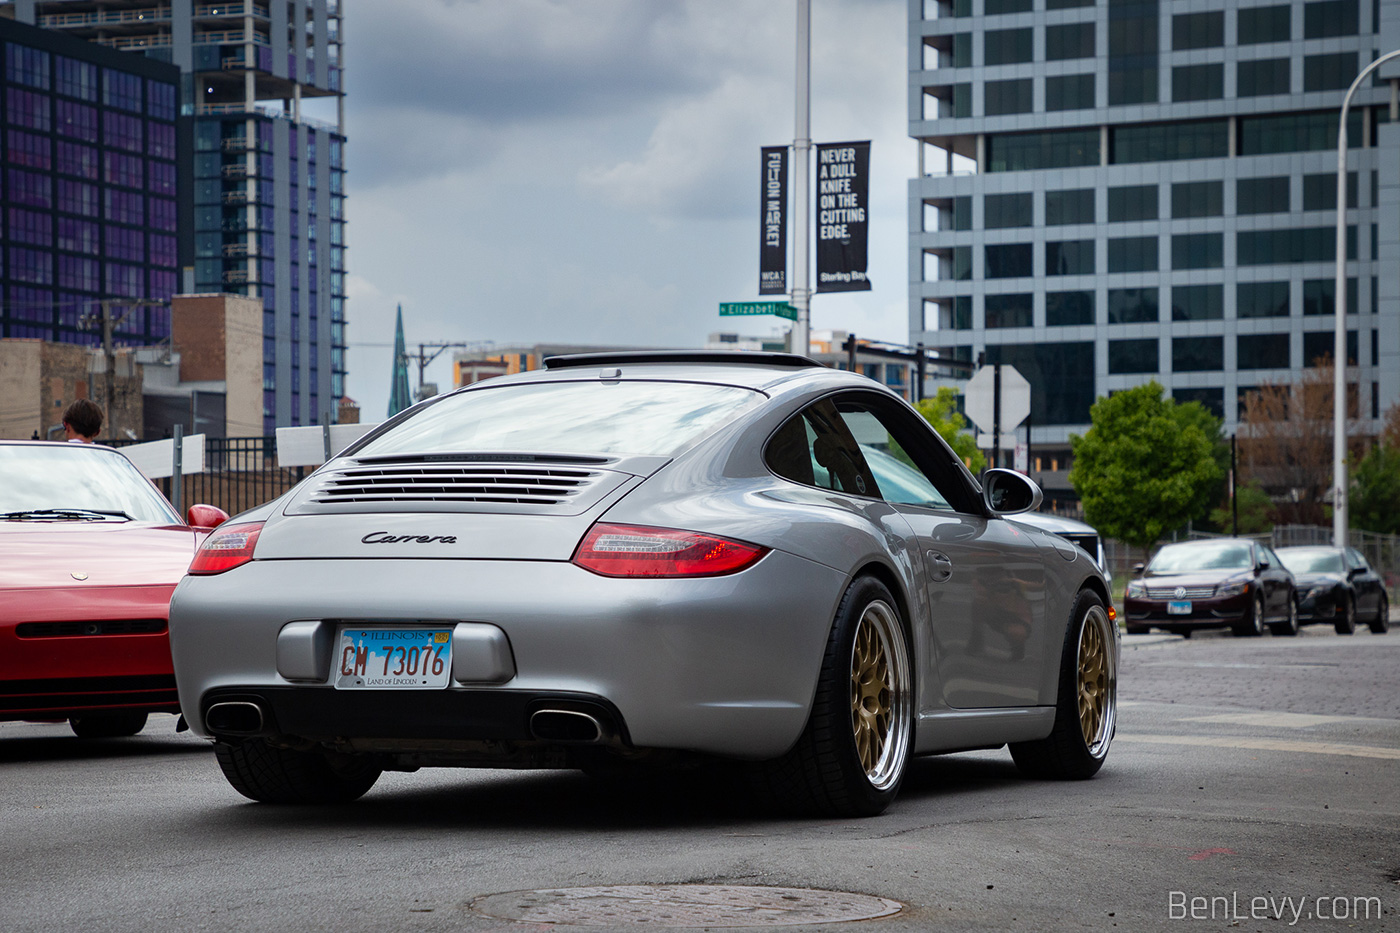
[980, 393]
[987, 442]
[780, 308]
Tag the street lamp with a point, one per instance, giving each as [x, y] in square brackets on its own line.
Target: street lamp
[1339, 352]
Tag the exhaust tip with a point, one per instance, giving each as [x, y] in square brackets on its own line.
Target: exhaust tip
[234, 717]
[562, 725]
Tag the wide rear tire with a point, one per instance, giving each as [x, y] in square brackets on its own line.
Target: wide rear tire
[268, 774]
[1086, 708]
[850, 759]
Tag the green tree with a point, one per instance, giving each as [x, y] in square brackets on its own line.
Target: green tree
[1146, 466]
[1254, 505]
[941, 411]
[1375, 492]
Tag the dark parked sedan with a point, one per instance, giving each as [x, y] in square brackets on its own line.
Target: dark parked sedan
[1230, 583]
[1337, 585]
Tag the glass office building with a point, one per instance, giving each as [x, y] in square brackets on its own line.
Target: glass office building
[89, 188]
[1126, 190]
[266, 211]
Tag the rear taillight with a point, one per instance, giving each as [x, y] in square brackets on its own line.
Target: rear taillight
[640, 551]
[227, 547]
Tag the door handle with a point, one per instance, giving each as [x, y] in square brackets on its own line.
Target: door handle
[940, 566]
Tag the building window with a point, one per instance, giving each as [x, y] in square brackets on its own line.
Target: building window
[1198, 82]
[122, 90]
[1069, 257]
[1161, 142]
[1132, 203]
[1212, 400]
[1198, 199]
[1067, 4]
[1327, 18]
[1329, 72]
[27, 66]
[1071, 40]
[125, 170]
[1003, 97]
[1297, 132]
[997, 7]
[1261, 299]
[1132, 306]
[1198, 354]
[1320, 296]
[1069, 92]
[1198, 302]
[78, 273]
[160, 100]
[1006, 210]
[1072, 206]
[1132, 356]
[1009, 310]
[122, 131]
[1007, 46]
[1261, 351]
[28, 188]
[75, 197]
[1132, 254]
[31, 265]
[1017, 152]
[1198, 251]
[1263, 76]
[76, 121]
[1265, 24]
[28, 109]
[1321, 345]
[30, 227]
[1320, 191]
[1009, 261]
[1296, 244]
[1066, 309]
[78, 236]
[29, 149]
[1198, 30]
[1132, 52]
[1262, 195]
[962, 263]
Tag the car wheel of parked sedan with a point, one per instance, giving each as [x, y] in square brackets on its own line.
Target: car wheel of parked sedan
[1346, 621]
[1381, 623]
[850, 758]
[1087, 706]
[265, 773]
[107, 725]
[1254, 625]
[1290, 625]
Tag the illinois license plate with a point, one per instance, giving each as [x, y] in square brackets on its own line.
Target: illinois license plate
[1179, 607]
[370, 658]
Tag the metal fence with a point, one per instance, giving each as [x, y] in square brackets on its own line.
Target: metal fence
[239, 474]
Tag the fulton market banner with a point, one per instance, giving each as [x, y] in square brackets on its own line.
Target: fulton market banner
[843, 186]
[772, 246]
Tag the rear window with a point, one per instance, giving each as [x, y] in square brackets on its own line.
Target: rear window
[618, 418]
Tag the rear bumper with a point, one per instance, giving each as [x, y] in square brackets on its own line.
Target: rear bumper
[722, 665]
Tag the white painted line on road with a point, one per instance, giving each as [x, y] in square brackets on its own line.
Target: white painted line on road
[1266, 745]
[1279, 720]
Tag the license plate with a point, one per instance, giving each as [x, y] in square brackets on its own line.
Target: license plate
[368, 658]
[1179, 608]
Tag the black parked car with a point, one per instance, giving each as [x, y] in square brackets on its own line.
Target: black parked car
[1337, 585]
[1230, 583]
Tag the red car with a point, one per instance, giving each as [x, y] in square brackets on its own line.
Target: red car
[90, 552]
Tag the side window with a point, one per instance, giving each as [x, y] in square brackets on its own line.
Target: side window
[816, 448]
[1354, 559]
[1264, 559]
[912, 466]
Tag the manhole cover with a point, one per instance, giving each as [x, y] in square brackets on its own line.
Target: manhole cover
[683, 905]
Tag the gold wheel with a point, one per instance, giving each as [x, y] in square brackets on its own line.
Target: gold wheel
[1094, 679]
[880, 694]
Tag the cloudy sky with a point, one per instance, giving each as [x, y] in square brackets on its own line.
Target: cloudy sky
[524, 171]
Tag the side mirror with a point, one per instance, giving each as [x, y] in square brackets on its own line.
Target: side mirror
[1139, 568]
[205, 516]
[1006, 492]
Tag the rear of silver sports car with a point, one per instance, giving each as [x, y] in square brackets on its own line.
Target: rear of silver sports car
[504, 609]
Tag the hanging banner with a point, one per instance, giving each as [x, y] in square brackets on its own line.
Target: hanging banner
[843, 186]
[772, 245]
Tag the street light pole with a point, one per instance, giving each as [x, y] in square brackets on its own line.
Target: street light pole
[801, 149]
[1339, 352]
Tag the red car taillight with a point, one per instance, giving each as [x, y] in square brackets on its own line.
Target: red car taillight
[640, 551]
[227, 547]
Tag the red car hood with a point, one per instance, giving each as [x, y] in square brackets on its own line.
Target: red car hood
[35, 555]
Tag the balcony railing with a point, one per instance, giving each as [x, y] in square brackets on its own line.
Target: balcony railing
[235, 144]
[230, 37]
[234, 171]
[231, 9]
[106, 18]
[135, 42]
[236, 277]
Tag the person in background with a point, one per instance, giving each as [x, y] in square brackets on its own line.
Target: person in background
[82, 421]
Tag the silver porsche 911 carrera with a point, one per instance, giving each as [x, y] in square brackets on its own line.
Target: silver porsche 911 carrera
[646, 559]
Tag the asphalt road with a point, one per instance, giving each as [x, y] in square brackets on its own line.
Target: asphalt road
[1248, 778]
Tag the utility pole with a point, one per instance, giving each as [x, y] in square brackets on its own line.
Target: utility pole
[801, 159]
[109, 352]
[423, 357]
